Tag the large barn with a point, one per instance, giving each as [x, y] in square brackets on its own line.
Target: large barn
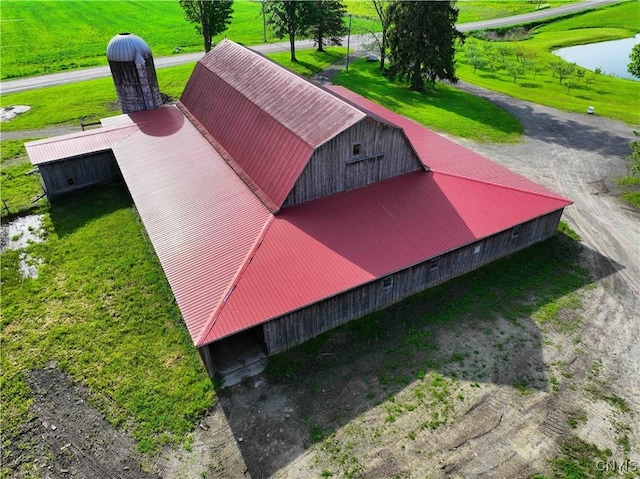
[280, 209]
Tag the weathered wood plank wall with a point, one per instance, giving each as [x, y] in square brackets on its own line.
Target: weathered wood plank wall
[384, 152]
[293, 329]
[74, 173]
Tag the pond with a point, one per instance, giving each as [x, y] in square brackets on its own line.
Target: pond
[611, 57]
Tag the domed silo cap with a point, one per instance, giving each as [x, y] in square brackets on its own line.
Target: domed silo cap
[126, 47]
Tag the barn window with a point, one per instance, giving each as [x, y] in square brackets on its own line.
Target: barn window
[71, 181]
[433, 265]
[387, 283]
[515, 233]
[357, 149]
[477, 249]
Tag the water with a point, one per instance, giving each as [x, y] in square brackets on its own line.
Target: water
[611, 57]
[17, 235]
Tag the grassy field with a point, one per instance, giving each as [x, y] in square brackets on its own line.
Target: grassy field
[27, 49]
[101, 309]
[444, 109]
[611, 97]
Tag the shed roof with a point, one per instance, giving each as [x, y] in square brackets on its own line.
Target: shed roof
[77, 144]
[322, 248]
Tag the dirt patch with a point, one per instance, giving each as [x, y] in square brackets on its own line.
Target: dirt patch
[67, 437]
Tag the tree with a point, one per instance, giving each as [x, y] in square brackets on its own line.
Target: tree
[288, 18]
[211, 18]
[422, 42]
[562, 69]
[326, 23]
[515, 69]
[476, 61]
[382, 9]
[634, 65]
[570, 83]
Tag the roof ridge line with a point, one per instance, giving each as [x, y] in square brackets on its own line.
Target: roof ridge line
[93, 131]
[295, 75]
[213, 316]
[246, 179]
[303, 78]
[509, 187]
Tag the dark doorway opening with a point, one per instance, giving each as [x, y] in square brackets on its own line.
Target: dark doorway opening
[240, 356]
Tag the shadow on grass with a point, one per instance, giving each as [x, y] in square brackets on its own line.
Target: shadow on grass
[529, 85]
[479, 328]
[450, 101]
[87, 204]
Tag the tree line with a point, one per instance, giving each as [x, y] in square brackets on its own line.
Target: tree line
[418, 38]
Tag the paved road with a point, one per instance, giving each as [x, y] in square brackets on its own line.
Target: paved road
[11, 86]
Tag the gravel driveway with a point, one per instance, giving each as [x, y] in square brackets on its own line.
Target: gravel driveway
[581, 156]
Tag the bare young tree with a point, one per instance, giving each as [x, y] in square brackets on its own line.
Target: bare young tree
[382, 9]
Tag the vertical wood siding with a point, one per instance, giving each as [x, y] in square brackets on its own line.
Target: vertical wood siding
[295, 328]
[68, 175]
[385, 153]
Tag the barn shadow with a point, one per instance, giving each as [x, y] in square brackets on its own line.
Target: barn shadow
[72, 211]
[478, 328]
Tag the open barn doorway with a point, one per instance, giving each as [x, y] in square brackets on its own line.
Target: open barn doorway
[240, 356]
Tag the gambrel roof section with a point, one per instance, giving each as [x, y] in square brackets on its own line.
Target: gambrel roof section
[269, 120]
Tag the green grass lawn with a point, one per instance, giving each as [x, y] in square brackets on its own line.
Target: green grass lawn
[77, 32]
[443, 109]
[310, 62]
[28, 49]
[611, 97]
[102, 309]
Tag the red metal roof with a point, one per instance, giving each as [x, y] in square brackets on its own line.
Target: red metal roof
[231, 264]
[443, 155]
[77, 144]
[322, 248]
[267, 118]
[201, 218]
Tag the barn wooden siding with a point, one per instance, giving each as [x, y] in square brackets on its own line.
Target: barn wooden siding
[295, 328]
[71, 174]
[384, 153]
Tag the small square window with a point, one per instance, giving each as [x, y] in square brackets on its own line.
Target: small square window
[387, 283]
[477, 249]
[71, 181]
[357, 149]
[434, 265]
[515, 233]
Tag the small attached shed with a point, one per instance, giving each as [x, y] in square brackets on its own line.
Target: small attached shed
[71, 162]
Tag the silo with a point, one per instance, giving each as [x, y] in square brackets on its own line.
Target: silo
[134, 73]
